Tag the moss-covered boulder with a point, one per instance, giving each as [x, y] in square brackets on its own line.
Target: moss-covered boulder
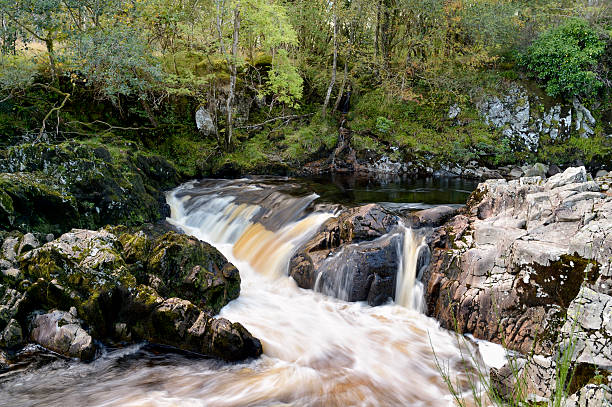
[125, 285]
[56, 187]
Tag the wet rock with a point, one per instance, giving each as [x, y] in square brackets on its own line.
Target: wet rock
[181, 324]
[354, 257]
[4, 360]
[12, 335]
[61, 332]
[362, 272]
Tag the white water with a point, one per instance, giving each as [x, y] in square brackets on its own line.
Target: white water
[409, 291]
[318, 351]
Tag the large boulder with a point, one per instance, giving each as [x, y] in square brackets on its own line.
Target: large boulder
[353, 256]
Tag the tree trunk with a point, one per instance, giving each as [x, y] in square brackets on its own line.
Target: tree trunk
[51, 52]
[334, 64]
[341, 91]
[233, 72]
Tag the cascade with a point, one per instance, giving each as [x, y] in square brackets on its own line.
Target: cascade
[318, 350]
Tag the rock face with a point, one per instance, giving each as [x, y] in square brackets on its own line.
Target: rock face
[124, 285]
[354, 256]
[525, 117]
[53, 188]
[520, 257]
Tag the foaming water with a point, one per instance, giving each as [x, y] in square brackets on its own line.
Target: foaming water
[410, 291]
[318, 351]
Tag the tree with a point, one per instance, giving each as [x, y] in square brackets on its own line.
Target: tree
[563, 59]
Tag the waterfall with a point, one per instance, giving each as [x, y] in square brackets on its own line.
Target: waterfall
[318, 350]
[409, 290]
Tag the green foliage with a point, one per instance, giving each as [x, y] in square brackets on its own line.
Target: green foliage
[284, 82]
[117, 62]
[564, 58]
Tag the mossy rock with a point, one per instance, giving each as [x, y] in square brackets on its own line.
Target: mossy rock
[193, 270]
[53, 188]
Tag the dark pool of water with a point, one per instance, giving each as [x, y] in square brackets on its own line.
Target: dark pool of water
[358, 190]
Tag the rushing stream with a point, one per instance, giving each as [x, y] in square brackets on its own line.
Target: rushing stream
[318, 351]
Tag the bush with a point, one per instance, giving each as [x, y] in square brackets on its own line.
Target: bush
[563, 58]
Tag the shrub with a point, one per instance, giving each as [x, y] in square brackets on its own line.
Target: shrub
[563, 58]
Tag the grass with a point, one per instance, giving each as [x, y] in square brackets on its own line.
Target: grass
[483, 391]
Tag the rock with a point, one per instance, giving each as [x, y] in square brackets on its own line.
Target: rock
[12, 335]
[39, 192]
[179, 323]
[4, 361]
[363, 272]
[454, 111]
[538, 170]
[131, 286]
[361, 224]
[601, 174]
[591, 395]
[524, 118]
[572, 175]
[28, 242]
[432, 217]
[61, 332]
[205, 122]
[515, 173]
[9, 248]
[521, 256]
[194, 270]
[553, 170]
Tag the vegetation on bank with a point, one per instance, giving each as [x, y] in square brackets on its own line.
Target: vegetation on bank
[135, 72]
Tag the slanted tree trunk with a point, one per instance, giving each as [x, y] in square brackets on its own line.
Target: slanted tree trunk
[334, 66]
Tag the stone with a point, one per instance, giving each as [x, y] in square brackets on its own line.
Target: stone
[571, 175]
[9, 248]
[553, 170]
[591, 395]
[12, 335]
[601, 174]
[432, 217]
[61, 332]
[205, 122]
[515, 173]
[537, 170]
[40, 193]
[454, 111]
[28, 242]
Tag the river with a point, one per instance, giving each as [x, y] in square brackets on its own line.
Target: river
[318, 350]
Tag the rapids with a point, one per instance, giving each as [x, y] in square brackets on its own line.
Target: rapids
[318, 351]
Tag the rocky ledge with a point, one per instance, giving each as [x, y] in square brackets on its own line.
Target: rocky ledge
[527, 264]
[118, 285]
[53, 188]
